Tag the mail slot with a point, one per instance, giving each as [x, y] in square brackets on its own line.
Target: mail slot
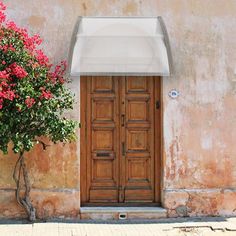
[103, 154]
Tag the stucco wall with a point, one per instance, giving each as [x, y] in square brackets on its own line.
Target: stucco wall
[199, 131]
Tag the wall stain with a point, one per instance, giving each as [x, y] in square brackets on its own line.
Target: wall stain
[130, 8]
[84, 6]
[36, 21]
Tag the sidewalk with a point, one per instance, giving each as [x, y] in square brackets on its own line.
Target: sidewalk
[165, 227]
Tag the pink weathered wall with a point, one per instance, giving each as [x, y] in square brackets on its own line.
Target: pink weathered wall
[199, 131]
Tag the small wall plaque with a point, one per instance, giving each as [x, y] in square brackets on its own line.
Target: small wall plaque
[174, 93]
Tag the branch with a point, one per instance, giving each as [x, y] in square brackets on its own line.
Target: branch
[23, 199]
[44, 145]
[17, 178]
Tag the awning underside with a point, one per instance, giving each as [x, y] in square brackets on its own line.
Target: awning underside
[120, 46]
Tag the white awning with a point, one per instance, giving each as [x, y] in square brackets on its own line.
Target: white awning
[120, 46]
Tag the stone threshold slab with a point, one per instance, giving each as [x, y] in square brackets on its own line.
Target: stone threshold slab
[122, 209]
[125, 213]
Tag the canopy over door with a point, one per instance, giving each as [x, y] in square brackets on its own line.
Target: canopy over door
[120, 46]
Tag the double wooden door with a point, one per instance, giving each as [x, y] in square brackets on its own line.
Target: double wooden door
[120, 140]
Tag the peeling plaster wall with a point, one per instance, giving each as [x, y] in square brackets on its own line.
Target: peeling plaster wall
[199, 131]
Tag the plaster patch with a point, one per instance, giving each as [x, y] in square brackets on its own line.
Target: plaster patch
[206, 141]
[172, 121]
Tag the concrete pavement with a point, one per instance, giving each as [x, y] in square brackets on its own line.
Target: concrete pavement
[165, 227]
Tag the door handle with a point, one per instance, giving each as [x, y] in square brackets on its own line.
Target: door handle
[123, 149]
[122, 120]
[121, 193]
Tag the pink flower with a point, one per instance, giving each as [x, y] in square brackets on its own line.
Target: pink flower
[2, 17]
[11, 48]
[36, 39]
[59, 72]
[30, 42]
[18, 71]
[10, 95]
[46, 95]
[3, 84]
[4, 75]
[29, 102]
[4, 47]
[6, 92]
[41, 58]
[12, 26]
[2, 6]
[2, 14]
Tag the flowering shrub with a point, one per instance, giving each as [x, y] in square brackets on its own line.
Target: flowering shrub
[33, 96]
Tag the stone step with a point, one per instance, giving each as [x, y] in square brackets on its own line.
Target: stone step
[122, 213]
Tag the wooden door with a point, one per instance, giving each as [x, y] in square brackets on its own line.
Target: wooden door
[120, 140]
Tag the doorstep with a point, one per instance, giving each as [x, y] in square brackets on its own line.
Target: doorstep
[122, 213]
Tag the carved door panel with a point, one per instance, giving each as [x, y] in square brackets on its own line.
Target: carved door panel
[117, 150]
[137, 132]
[102, 139]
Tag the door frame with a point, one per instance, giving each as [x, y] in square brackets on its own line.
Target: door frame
[158, 141]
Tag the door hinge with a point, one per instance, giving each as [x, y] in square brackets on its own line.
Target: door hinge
[158, 104]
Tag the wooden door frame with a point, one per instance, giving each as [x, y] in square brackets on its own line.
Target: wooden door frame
[158, 140]
[83, 135]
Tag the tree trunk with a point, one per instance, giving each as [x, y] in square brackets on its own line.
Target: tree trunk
[23, 199]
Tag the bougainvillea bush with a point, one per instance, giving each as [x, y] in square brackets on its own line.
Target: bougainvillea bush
[33, 97]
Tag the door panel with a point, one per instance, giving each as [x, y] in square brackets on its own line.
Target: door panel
[139, 139]
[102, 136]
[136, 84]
[103, 110]
[103, 84]
[119, 134]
